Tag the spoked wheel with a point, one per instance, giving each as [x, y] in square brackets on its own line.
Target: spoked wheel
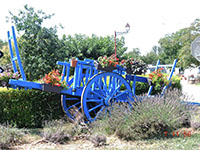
[101, 92]
[72, 107]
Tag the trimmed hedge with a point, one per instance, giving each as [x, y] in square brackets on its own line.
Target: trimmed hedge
[28, 108]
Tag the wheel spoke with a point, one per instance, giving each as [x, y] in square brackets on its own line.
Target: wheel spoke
[94, 100]
[115, 91]
[105, 84]
[76, 112]
[121, 93]
[95, 107]
[100, 89]
[110, 80]
[100, 111]
[96, 93]
[73, 105]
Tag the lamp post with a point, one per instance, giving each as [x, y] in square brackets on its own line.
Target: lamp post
[120, 33]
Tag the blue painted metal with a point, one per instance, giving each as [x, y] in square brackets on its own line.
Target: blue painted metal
[102, 91]
[151, 87]
[97, 90]
[11, 53]
[169, 78]
[18, 56]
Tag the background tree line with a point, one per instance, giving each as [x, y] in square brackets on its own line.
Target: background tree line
[40, 46]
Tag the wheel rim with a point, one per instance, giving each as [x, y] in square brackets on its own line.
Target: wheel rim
[71, 107]
[101, 92]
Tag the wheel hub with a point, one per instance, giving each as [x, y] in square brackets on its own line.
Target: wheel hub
[108, 101]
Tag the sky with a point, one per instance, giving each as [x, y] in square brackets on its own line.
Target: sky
[149, 20]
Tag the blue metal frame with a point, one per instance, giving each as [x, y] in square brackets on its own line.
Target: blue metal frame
[13, 59]
[79, 79]
[84, 73]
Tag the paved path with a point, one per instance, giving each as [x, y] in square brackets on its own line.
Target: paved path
[191, 90]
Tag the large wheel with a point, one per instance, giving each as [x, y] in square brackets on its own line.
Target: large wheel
[72, 107]
[101, 92]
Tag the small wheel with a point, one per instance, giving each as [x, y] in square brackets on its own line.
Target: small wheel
[101, 92]
[72, 107]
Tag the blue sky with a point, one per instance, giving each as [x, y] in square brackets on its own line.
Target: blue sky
[149, 19]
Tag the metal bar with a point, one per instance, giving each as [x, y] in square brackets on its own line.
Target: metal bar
[28, 84]
[170, 76]
[18, 56]
[63, 73]
[68, 73]
[173, 68]
[151, 87]
[87, 75]
[11, 53]
[134, 83]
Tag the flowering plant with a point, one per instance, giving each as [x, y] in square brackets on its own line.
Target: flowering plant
[158, 79]
[105, 61]
[54, 79]
[133, 66]
[5, 76]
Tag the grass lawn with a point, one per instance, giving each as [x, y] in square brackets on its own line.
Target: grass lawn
[113, 143]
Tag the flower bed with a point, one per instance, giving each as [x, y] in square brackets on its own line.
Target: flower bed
[52, 82]
[107, 64]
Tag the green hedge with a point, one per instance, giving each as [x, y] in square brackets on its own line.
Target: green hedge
[28, 108]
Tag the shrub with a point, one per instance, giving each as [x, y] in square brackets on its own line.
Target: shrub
[149, 118]
[29, 108]
[142, 88]
[10, 136]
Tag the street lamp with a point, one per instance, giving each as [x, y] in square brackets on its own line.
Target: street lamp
[120, 33]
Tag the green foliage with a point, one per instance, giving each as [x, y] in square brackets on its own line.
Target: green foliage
[2, 44]
[39, 46]
[142, 88]
[29, 108]
[149, 118]
[178, 45]
[10, 136]
[150, 58]
[83, 46]
[6, 56]
[135, 53]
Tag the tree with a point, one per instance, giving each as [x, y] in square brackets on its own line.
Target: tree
[83, 46]
[40, 46]
[2, 43]
[178, 45]
[135, 53]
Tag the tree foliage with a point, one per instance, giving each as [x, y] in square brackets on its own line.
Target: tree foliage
[40, 47]
[83, 46]
[135, 53]
[178, 45]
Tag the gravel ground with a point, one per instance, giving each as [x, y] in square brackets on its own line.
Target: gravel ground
[191, 90]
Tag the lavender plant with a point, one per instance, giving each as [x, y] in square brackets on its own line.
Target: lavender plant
[10, 136]
[149, 118]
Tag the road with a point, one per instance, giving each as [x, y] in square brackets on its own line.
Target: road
[191, 90]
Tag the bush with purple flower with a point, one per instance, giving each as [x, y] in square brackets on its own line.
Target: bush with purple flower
[5, 76]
